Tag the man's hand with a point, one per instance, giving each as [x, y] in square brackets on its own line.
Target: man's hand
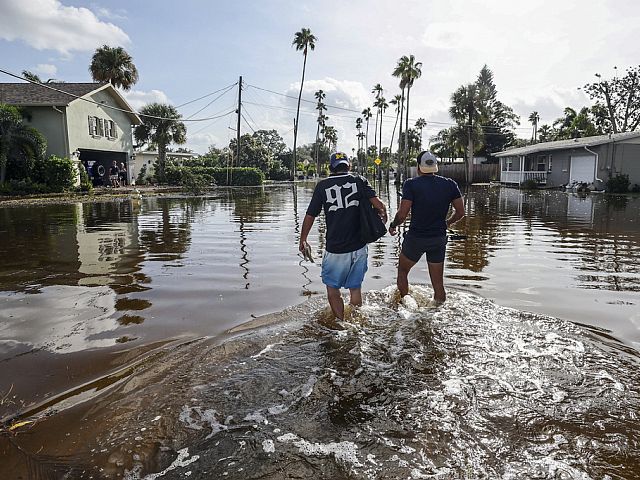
[392, 231]
[301, 245]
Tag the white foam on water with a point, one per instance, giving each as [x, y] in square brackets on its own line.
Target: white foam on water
[268, 446]
[266, 349]
[181, 461]
[344, 452]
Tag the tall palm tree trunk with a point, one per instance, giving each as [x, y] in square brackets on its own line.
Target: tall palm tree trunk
[366, 148]
[162, 161]
[380, 147]
[295, 127]
[406, 137]
[375, 135]
[393, 133]
[318, 150]
[400, 172]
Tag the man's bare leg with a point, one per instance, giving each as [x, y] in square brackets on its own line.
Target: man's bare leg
[436, 273]
[335, 302]
[355, 296]
[404, 266]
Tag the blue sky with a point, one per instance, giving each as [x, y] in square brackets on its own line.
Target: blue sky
[540, 52]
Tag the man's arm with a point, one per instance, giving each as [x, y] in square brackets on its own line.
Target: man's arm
[307, 223]
[458, 211]
[401, 215]
[379, 206]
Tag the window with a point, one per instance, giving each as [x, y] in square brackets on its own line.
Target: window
[112, 129]
[542, 164]
[93, 126]
[100, 127]
[509, 164]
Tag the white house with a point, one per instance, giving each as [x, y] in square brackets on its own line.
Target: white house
[88, 122]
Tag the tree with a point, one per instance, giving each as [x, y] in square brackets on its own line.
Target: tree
[575, 124]
[500, 120]
[32, 77]
[18, 142]
[321, 107]
[408, 70]
[449, 143]
[377, 90]
[420, 124]
[545, 133]
[396, 100]
[331, 135]
[253, 152]
[162, 126]
[619, 98]
[382, 105]
[113, 65]
[468, 110]
[534, 118]
[366, 114]
[302, 40]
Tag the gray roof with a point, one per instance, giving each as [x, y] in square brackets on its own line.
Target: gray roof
[566, 144]
[32, 94]
[35, 95]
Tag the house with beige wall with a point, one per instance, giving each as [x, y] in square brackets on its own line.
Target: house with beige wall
[90, 123]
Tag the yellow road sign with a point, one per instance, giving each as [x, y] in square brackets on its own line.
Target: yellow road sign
[377, 161]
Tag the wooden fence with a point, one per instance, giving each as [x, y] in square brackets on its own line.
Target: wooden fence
[482, 173]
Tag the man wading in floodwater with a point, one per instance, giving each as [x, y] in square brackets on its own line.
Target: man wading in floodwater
[345, 258]
[428, 197]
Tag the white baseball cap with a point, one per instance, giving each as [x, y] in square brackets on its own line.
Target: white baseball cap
[427, 162]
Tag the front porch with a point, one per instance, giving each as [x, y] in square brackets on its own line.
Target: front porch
[523, 168]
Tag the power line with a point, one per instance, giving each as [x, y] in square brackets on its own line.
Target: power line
[211, 102]
[78, 97]
[247, 122]
[205, 96]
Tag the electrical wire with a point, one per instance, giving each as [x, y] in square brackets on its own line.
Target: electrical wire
[205, 96]
[211, 102]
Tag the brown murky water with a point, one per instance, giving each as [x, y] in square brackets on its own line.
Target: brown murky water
[100, 302]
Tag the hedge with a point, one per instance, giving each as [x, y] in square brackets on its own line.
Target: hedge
[220, 176]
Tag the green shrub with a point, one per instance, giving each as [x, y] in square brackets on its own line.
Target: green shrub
[141, 179]
[220, 176]
[85, 183]
[529, 185]
[278, 174]
[192, 183]
[635, 188]
[618, 184]
[57, 173]
[23, 187]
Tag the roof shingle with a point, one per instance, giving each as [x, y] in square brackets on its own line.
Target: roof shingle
[30, 94]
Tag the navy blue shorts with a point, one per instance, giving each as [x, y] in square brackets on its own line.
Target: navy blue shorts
[435, 247]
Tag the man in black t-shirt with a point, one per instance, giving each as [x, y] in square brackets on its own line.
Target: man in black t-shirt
[345, 259]
[428, 197]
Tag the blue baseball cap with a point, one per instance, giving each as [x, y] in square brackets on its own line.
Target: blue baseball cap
[338, 158]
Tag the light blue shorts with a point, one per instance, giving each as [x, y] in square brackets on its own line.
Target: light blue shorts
[345, 270]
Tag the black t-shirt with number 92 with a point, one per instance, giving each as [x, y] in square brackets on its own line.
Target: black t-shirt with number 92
[339, 197]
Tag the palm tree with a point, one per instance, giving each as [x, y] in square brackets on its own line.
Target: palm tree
[162, 126]
[17, 139]
[32, 77]
[302, 40]
[408, 70]
[321, 107]
[382, 107]
[366, 114]
[420, 124]
[377, 90]
[331, 135]
[396, 100]
[113, 65]
[468, 110]
[358, 136]
[546, 134]
[534, 118]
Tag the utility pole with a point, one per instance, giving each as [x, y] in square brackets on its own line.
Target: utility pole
[239, 114]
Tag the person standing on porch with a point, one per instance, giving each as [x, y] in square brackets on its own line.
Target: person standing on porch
[428, 197]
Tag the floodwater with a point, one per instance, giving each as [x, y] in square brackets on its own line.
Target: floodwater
[176, 338]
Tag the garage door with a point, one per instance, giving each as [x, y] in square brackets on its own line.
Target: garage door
[583, 169]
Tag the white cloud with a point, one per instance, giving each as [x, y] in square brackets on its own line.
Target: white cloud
[46, 69]
[139, 98]
[50, 25]
[200, 142]
[107, 14]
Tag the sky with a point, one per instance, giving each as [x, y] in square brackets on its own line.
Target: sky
[540, 52]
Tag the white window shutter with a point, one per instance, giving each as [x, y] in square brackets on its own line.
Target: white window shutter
[114, 129]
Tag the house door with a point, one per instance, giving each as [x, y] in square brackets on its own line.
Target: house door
[583, 169]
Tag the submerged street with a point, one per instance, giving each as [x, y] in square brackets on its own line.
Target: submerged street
[144, 361]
